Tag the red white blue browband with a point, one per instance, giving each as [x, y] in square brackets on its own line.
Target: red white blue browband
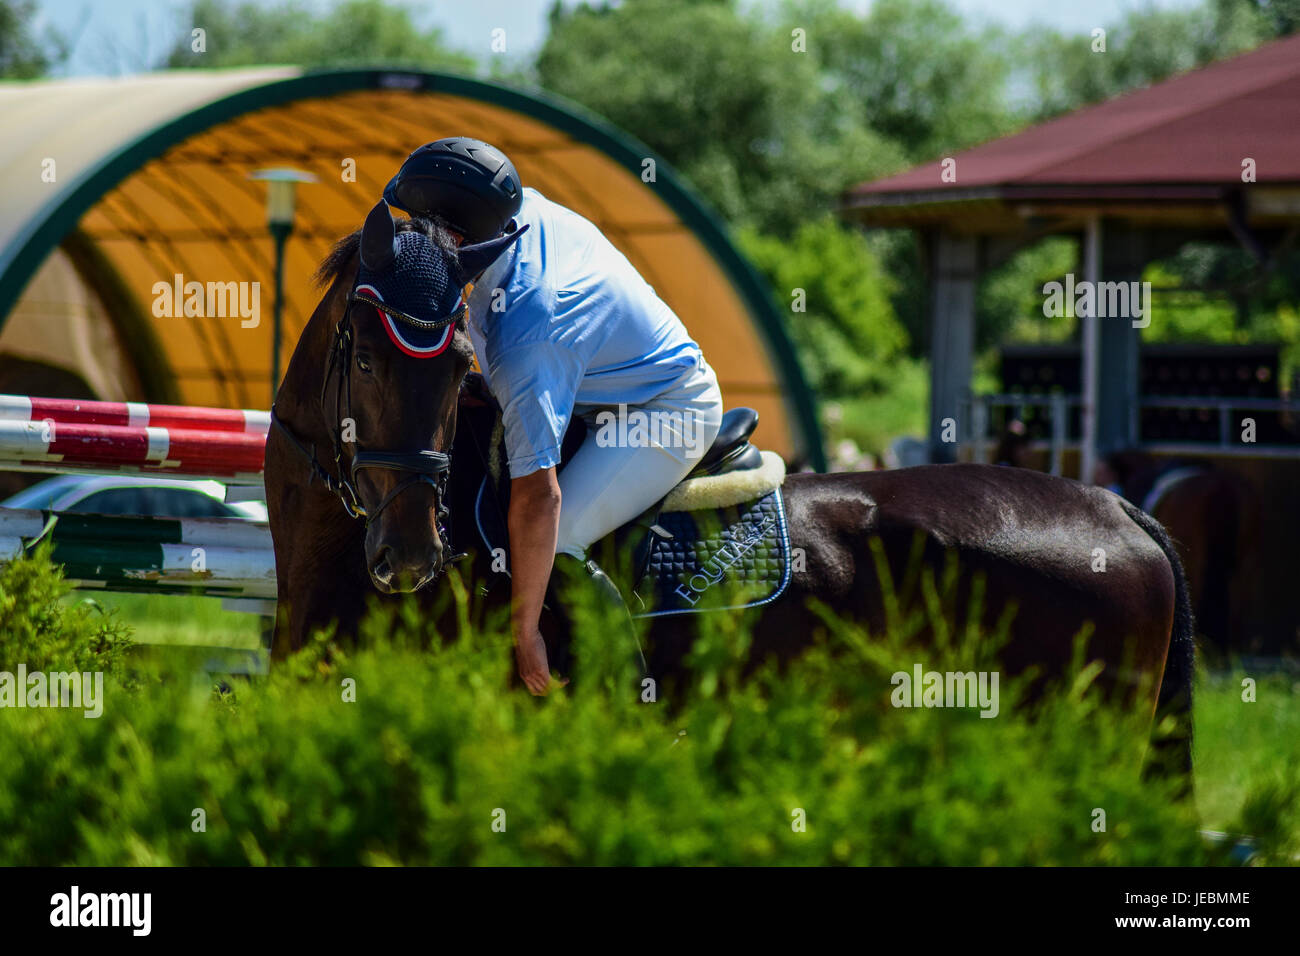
[394, 319]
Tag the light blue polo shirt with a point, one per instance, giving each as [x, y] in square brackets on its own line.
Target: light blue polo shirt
[577, 328]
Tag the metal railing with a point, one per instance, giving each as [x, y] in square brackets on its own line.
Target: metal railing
[1059, 405]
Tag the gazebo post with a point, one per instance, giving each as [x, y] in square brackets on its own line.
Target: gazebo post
[954, 269]
[1124, 253]
[1111, 367]
[1089, 352]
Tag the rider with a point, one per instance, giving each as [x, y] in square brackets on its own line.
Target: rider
[564, 325]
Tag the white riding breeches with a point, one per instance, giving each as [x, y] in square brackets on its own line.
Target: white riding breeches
[633, 456]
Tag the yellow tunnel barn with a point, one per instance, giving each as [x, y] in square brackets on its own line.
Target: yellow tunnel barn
[137, 181]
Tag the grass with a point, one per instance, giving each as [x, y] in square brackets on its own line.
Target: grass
[1242, 747]
[872, 422]
[177, 619]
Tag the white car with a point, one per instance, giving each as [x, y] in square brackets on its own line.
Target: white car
[132, 495]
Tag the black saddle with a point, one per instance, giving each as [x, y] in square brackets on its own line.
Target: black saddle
[731, 450]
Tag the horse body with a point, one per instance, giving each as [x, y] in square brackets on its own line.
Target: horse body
[1032, 539]
[1213, 517]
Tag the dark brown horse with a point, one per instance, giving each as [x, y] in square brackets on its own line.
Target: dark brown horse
[1213, 517]
[1037, 541]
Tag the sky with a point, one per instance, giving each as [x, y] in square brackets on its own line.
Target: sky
[126, 36]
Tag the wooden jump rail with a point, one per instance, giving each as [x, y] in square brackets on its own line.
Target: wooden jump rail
[66, 435]
[228, 558]
[215, 556]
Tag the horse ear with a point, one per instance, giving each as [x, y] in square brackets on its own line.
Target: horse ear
[474, 259]
[378, 239]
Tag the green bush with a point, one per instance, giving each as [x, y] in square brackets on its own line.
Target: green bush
[38, 628]
[836, 296]
[438, 744]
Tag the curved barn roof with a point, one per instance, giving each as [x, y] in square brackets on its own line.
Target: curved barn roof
[150, 180]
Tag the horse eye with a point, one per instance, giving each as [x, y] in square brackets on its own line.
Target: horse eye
[363, 364]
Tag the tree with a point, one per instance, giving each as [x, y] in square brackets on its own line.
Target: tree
[353, 33]
[1147, 46]
[912, 71]
[724, 97]
[23, 54]
[837, 299]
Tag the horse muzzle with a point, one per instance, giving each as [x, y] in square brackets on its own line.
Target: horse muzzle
[392, 572]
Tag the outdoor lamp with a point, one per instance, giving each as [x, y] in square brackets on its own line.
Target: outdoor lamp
[281, 194]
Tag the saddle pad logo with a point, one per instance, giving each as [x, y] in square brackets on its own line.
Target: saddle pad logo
[716, 560]
[716, 567]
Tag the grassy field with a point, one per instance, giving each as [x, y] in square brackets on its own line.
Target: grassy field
[1244, 748]
[177, 619]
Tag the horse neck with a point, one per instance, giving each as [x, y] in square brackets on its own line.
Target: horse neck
[298, 399]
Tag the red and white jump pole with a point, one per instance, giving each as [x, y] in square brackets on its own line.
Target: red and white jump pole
[72, 411]
[48, 434]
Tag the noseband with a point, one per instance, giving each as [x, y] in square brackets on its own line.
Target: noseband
[422, 467]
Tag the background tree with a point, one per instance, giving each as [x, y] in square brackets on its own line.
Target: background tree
[352, 33]
[24, 53]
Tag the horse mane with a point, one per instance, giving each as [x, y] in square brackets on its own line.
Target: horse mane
[345, 249]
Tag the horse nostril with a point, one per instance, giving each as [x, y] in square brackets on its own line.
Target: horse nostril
[382, 569]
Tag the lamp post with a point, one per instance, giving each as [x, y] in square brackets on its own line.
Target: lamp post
[281, 189]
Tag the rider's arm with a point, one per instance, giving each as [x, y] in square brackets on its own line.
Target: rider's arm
[534, 522]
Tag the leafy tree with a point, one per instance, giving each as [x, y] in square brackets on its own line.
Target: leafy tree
[912, 71]
[1272, 18]
[1147, 46]
[23, 54]
[356, 32]
[1009, 302]
[724, 97]
[847, 335]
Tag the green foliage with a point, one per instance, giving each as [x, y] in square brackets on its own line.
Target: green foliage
[1149, 45]
[25, 55]
[720, 94]
[1207, 294]
[912, 71]
[1009, 303]
[1271, 17]
[437, 743]
[847, 336]
[42, 630]
[352, 33]
[1180, 314]
[872, 422]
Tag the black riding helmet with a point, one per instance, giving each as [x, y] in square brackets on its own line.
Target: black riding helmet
[472, 185]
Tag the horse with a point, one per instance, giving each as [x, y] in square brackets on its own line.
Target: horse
[417, 463]
[1213, 517]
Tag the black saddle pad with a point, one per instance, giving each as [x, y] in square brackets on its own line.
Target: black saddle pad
[723, 559]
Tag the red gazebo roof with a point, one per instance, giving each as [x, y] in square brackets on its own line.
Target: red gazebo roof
[1170, 141]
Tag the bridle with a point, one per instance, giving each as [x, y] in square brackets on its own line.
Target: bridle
[422, 467]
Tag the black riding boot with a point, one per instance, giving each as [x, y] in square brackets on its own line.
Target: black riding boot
[570, 567]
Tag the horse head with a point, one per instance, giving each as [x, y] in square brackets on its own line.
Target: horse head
[388, 387]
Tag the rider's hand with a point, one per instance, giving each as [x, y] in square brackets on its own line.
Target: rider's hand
[534, 668]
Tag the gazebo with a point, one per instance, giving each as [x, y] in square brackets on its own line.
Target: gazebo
[1210, 154]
